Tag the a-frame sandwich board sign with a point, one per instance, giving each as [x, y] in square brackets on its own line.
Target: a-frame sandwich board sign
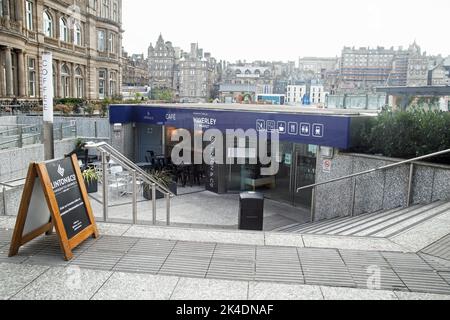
[54, 195]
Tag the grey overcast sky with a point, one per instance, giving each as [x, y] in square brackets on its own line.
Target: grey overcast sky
[286, 29]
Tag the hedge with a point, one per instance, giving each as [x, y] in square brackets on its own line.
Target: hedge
[405, 134]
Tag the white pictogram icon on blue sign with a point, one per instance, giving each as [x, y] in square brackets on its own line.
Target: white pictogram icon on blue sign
[318, 130]
[293, 128]
[260, 125]
[305, 129]
[282, 127]
[271, 126]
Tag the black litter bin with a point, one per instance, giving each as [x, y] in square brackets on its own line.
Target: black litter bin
[251, 211]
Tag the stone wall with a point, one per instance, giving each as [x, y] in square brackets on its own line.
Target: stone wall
[380, 190]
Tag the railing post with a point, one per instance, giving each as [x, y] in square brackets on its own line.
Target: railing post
[134, 197]
[410, 185]
[105, 186]
[313, 204]
[76, 130]
[352, 212]
[168, 209]
[95, 129]
[154, 203]
[61, 130]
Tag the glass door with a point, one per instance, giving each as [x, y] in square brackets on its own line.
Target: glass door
[304, 174]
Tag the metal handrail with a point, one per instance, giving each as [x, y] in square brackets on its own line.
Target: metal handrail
[18, 126]
[20, 139]
[103, 146]
[382, 168]
[376, 169]
[107, 149]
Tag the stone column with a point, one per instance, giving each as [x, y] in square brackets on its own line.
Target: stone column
[72, 81]
[9, 73]
[2, 76]
[6, 12]
[58, 92]
[21, 73]
[106, 83]
[19, 12]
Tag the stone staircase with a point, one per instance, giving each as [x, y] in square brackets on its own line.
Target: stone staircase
[382, 224]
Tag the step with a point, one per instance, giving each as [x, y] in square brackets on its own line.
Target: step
[300, 227]
[384, 218]
[359, 220]
[288, 227]
[308, 228]
[414, 221]
[364, 221]
[408, 214]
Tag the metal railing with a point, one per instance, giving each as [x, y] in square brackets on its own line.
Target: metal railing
[411, 162]
[106, 151]
[22, 136]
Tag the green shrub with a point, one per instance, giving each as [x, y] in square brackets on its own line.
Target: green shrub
[405, 134]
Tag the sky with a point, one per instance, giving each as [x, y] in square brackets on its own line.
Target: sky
[284, 30]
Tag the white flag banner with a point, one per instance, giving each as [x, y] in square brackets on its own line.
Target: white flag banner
[47, 86]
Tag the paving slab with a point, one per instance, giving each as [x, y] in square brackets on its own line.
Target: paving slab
[423, 281]
[15, 277]
[64, 284]
[332, 293]
[134, 286]
[421, 296]
[208, 289]
[283, 239]
[424, 234]
[277, 291]
[196, 235]
[8, 223]
[112, 229]
[438, 264]
[351, 243]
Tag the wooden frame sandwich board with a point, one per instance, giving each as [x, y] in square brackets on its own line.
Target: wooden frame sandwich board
[54, 195]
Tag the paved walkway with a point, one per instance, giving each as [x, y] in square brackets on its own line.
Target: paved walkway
[140, 267]
[198, 209]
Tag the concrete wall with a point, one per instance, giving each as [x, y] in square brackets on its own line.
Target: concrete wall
[382, 190]
[15, 161]
[14, 165]
[123, 139]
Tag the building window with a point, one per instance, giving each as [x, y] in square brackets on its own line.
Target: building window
[77, 35]
[63, 30]
[79, 83]
[48, 24]
[101, 41]
[31, 77]
[112, 43]
[29, 14]
[115, 12]
[112, 84]
[105, 9]
[101, 84]
[1, 8]
[65, 81]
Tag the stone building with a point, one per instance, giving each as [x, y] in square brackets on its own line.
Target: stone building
[194, 71]
[135, 71]
[161, 60]
[84, 36]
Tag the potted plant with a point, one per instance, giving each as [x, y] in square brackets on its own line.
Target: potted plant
[164, 178]
[90, 177]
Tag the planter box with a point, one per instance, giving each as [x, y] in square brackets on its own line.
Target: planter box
[147, 193]
[91, 187]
